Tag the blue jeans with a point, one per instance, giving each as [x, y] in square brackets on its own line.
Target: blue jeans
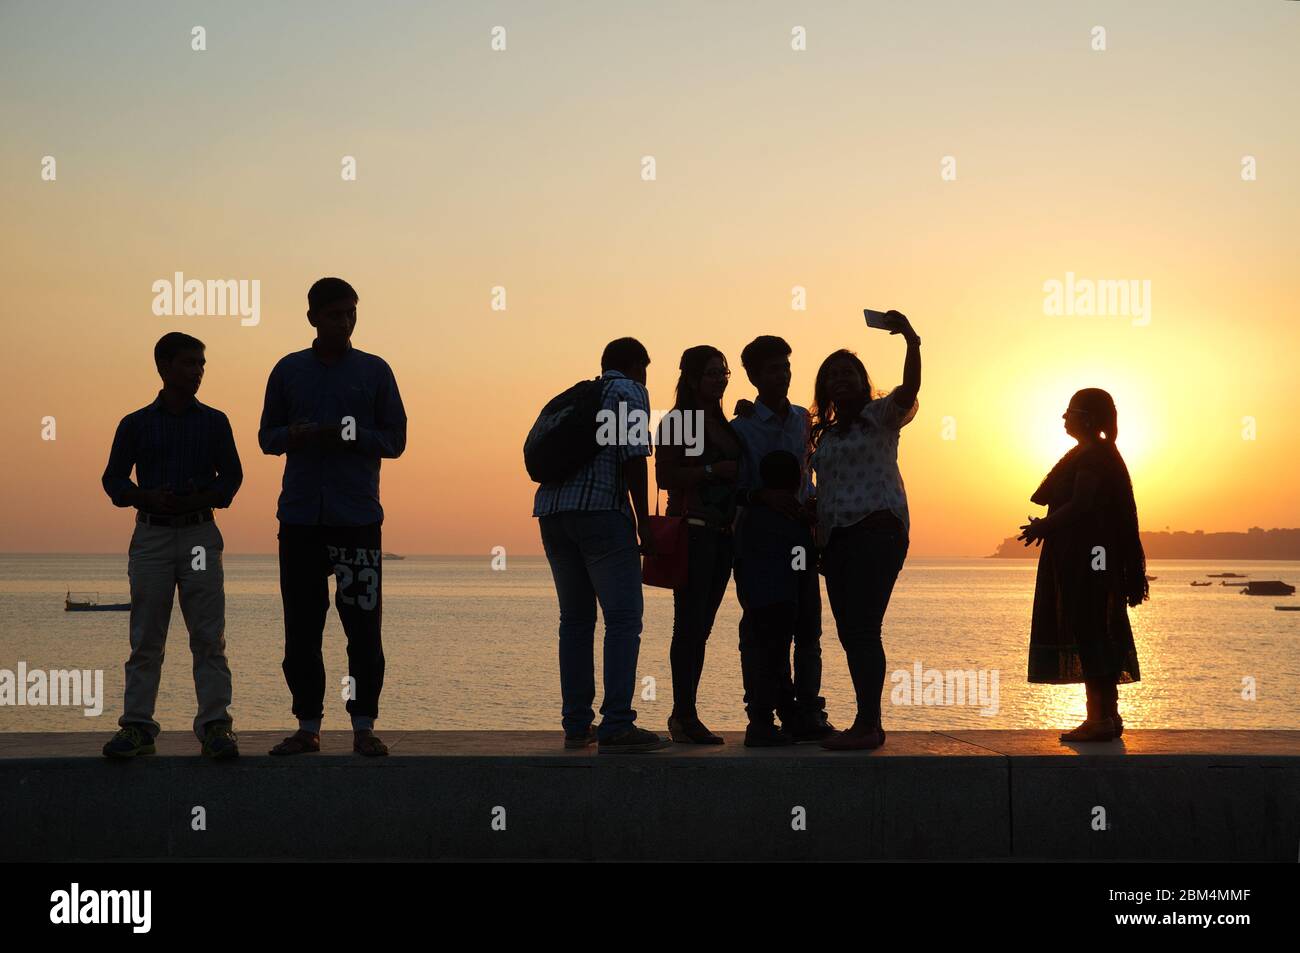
[594, 556]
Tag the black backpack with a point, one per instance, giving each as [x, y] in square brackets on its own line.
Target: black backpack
[563, 440]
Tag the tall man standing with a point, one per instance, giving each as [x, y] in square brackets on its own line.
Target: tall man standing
[335, 412]
[590, 523]
[185, 462]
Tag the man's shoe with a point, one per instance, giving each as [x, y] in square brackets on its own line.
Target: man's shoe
[300, 742]
[767, 736]
[129, 742]
[219, 742]
[634, 740]
[364, 742]
[810, 732]
[581, 741]
[692, 732]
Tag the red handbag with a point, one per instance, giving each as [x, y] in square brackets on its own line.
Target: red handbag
[668, 567]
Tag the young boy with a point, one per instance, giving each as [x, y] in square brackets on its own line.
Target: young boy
[774, 557]
[185, 462]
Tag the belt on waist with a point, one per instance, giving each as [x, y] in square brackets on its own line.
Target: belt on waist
[179, 519]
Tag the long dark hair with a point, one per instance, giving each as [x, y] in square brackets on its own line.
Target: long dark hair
[1101, 420]
[823, 413]
[694, 361]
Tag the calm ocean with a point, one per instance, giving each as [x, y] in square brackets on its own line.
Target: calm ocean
[469, 647]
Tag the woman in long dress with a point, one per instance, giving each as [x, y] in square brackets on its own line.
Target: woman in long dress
[1091, 569]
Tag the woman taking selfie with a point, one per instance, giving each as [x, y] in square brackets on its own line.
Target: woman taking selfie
[1091, 569]
[702, 489]
[862, 519]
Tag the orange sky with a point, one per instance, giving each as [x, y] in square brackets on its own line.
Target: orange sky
[775, 169]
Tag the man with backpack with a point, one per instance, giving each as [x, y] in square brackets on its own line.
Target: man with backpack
[589, 531]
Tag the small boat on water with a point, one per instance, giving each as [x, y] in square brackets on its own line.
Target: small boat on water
[1202, 584]
[1240, 584]
[1152, 578]
[1227, 575]
[389, 556]
[89, 602]
[1287, 608]
[1269, 587]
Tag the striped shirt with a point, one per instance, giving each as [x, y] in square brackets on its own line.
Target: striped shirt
[600, 485]
[192, 450]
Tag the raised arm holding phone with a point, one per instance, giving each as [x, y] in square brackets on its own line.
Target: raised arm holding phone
[863, 523]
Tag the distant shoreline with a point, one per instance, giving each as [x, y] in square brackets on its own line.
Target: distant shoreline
[1255, 543]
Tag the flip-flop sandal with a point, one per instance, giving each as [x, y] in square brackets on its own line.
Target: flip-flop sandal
[369, 745]
[298, 743]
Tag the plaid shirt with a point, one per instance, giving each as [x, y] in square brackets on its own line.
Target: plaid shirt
[599, 485]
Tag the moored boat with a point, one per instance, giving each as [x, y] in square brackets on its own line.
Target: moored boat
[1269, 587]
[89, 602]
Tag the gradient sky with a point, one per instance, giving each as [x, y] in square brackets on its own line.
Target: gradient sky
[775, 168]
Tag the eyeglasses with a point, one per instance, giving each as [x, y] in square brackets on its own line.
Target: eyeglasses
[718, 374]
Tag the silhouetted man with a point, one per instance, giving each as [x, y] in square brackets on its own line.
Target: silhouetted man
[589, 531]
[185, 462]
[335, 412]
[776, 424]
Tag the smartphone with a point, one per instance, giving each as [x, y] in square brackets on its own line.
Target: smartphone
[878, 319]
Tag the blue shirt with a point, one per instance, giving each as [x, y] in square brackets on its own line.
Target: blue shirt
[763, 432]
[192, 450]
[333, 487]
[599, 485]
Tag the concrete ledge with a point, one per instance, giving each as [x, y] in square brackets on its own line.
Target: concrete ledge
[1218, 795]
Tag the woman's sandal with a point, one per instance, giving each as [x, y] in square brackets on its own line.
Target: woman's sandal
[300, 742]
[365, 742]
[1102, 729]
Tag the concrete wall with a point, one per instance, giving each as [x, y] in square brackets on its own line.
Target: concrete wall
[727, 804]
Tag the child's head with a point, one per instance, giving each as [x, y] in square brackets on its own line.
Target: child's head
[779, 470]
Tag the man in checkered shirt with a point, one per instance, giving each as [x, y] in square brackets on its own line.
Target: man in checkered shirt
[589, 530]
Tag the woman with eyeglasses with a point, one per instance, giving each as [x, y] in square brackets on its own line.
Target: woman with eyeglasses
[702, 488]
[1091, 569]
